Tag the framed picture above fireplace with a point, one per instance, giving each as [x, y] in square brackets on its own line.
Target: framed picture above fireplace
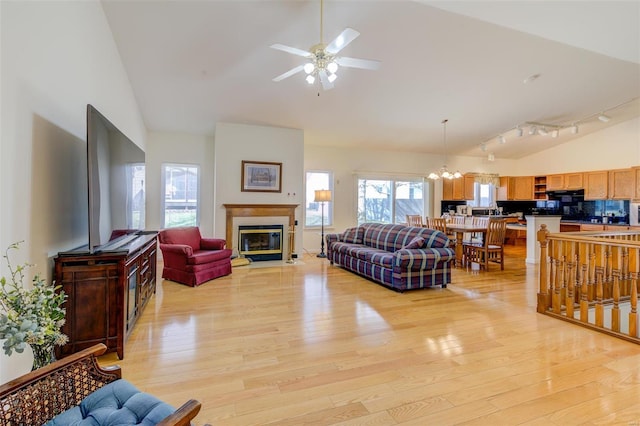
[261, 176]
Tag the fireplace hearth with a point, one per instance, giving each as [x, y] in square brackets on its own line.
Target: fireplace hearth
[260, 242]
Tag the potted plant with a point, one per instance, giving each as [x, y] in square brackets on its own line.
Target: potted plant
[32, 316]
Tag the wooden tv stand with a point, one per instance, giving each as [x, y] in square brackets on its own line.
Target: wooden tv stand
[107, 292]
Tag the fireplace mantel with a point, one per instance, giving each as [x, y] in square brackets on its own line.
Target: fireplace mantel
[249, 210]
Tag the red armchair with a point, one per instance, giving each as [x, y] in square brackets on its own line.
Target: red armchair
[190, 259]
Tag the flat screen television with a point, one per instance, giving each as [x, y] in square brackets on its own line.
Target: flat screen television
[116, 171]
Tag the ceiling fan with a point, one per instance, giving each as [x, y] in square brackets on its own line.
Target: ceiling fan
[323, 61]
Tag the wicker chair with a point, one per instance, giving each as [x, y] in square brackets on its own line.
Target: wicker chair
[491, 249]
[39, 396]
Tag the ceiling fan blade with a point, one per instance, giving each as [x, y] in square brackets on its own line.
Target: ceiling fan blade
[289, 73]
[340, 42]
[293, 50]
[324, 79]
[365, 64]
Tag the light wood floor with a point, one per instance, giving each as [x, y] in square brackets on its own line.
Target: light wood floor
[314, 344]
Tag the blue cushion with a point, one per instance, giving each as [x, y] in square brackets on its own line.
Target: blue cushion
[117, 403]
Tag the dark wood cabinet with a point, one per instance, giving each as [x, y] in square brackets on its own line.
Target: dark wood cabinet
[107, 293]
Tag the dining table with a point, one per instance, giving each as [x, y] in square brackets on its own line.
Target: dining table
[460, 230]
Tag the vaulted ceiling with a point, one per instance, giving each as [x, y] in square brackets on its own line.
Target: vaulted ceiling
[195, 63]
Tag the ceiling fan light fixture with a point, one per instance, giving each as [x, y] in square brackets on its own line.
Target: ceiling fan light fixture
[309, 67]
[332, 78]
[332, 67]
[310, 79]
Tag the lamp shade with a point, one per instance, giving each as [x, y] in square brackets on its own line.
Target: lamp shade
[322, 195]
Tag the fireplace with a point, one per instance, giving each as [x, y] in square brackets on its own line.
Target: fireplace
[260, 242]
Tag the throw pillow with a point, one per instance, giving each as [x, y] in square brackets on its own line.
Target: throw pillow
[353, 235]
[415, 243]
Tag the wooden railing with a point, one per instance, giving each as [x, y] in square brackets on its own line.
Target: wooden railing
[591, 279]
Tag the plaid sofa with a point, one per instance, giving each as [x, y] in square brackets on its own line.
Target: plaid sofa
[396, 256]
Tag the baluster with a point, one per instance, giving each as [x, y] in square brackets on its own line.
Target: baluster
[615, 312]
[634, 265]
[584, 293]
[592, 273]
[599, 270]
[557, 284]
[571, 278]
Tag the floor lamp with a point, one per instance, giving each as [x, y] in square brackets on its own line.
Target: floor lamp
[322, 196]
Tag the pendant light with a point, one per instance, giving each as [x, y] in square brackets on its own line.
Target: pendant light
[443, 172]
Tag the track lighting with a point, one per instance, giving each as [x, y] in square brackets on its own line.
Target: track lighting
[491, 157]
[534, 128]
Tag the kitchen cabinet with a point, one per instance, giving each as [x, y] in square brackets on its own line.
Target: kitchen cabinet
[540, 187]
[636, 179]
[591, 227]
[621, 184]
[523, 188]
[516, 188]
[565, 181]
[596, 185]
[569, 227]
[458, 189]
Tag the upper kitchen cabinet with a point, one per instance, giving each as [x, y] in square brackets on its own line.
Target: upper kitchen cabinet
[621, 184]
[516, 188]
[565, 181]
[596, 185]
[458, 189]
[636, 178]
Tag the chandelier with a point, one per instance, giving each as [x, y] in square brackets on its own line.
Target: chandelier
[443, 172]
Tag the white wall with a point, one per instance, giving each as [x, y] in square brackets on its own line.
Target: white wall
[179, 148]
[56, 58]
[237, 142]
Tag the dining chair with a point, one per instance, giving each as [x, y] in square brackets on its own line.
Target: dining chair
[491, 249]
[439, 223]
[414, 220]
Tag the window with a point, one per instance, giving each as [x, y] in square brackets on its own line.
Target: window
[135, 195]
[317, 180]
[483, 195]
[181, 195]
[389, 200]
